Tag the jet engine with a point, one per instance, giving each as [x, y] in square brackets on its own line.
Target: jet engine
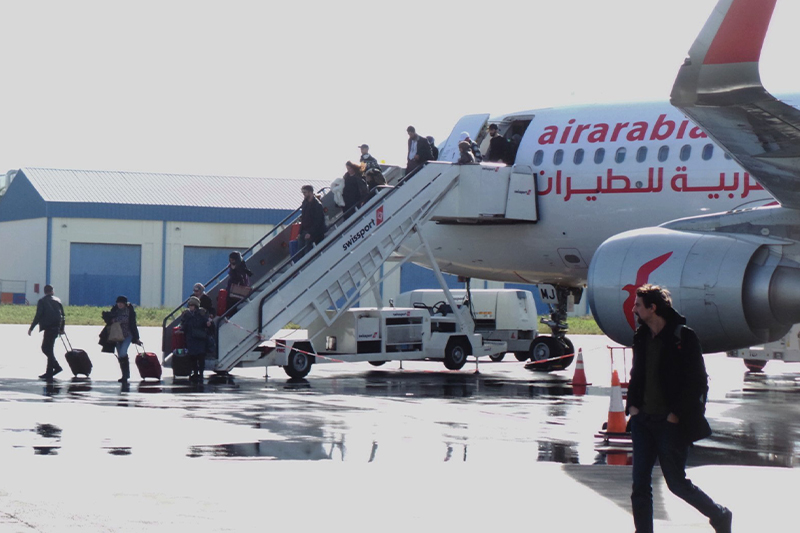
[735, 290]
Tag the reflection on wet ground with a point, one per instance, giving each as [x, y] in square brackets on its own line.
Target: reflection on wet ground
[355, 413]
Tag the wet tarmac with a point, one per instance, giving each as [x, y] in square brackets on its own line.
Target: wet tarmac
[228, 456]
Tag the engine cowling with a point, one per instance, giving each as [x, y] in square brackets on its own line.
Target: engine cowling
[735, 290]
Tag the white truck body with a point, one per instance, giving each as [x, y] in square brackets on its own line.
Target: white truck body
[377, 335]
[786, 349]
[506, 315]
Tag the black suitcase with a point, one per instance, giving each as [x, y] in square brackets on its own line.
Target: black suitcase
[182, 363]
[77, 359]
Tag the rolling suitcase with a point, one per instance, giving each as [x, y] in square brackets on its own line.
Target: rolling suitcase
[182, 363]
[78, 360]
[148, 365]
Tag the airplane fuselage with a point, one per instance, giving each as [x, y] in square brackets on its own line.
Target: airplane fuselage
[598, 171]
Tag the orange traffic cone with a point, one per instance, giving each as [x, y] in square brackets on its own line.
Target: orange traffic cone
[579, 377]
[616, 411]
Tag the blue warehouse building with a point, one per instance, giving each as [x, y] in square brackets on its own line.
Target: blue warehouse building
[94, 235]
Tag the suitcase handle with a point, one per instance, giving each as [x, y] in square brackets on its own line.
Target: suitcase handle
[64, 336]
[139, 348]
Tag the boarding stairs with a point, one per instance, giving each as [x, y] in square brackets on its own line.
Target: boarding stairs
[333, 275]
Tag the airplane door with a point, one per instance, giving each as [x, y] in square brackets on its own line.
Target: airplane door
[472, 124]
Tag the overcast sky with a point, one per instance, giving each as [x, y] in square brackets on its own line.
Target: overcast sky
[245, 88]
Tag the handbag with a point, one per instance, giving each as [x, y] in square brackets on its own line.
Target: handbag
[240, 291]
[115, 332]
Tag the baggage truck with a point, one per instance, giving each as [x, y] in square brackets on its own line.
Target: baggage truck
[378, 335]
[506, 315]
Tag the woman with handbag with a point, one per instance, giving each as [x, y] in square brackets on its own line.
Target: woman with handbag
[120, 332]
[195, 322]
[238, 280]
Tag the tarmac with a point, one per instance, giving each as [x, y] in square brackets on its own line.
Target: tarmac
[92, 481]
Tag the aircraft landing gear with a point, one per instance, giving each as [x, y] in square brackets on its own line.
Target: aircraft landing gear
[556, 345]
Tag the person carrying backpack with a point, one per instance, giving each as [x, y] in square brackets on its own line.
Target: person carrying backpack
[50, 318]
[666, 400]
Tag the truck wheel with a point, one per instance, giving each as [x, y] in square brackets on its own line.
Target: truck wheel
[754, 365]
[299, 365]
[544, 347]
[522, 356]
[377, 363]
[497, 357]
[455, 354]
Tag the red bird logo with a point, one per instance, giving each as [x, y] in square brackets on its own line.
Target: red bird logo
[642, 277]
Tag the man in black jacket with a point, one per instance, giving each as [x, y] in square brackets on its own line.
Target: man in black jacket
[498, 145]
[50, 318]
[419, 150]
[312, 221]
[666, 401]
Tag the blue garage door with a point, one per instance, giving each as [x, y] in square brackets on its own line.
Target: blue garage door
[413, 277]
[98, 273]
[201, 264]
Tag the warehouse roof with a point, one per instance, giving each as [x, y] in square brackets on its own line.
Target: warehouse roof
[42, 192]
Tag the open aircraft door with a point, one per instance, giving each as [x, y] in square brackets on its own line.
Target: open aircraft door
[472, 124]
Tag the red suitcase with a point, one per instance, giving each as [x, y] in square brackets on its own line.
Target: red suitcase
[148, 364]
[77, 359]
[222, 302]
[178, 338]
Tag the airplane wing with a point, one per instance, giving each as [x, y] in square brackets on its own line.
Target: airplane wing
[719, 87]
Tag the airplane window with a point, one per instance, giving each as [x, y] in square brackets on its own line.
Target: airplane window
[686, 152]
[663, 153]
[578, 159]
[538, 157]
[558, 157]
[599, 155]
[641, 154]
[708, 151]
[620, 156]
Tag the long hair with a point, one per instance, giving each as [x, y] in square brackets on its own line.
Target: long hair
[655, 295]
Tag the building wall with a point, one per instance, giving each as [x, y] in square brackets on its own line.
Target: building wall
[144, 233]
[23, 255]
[180, 234]
[161, 244]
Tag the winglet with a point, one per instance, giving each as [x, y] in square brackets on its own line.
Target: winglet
[723, 61]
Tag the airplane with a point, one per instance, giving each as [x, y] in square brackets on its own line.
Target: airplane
[700, 196]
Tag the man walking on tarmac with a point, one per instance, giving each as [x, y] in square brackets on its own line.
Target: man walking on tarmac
[50, 318]
[666, 401]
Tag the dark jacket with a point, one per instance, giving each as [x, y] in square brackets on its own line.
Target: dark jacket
[49, 313]
[423, 149]
[206, 303]
[682, 373]
[239, 274]
[312, 220]
[108, 317]
[498, 146]
[194, 326]
[369, 162]
[355, 190]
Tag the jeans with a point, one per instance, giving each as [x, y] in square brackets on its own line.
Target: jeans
[122, 347]
[655, 438]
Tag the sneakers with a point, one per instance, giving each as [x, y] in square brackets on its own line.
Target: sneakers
[723, 522]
